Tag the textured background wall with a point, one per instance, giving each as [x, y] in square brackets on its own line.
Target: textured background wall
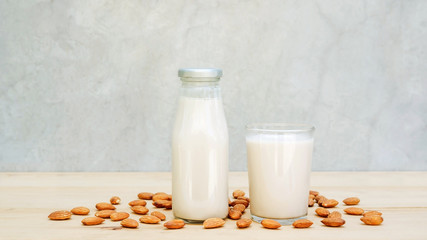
[93, 86]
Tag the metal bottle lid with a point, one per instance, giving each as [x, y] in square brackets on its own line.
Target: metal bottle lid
[200, 73]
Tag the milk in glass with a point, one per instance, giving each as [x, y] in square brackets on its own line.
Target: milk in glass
[279, 164]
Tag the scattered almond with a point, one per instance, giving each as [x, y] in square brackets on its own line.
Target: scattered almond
[162, 204]
[244, 198]
[239, 207]
[351, 201]
[213, 223]
[322, 212]
[270, 224]
[370, 213]
[240, 201]
[302, 223]
[372, 220]
[118, 216]
[315, 193]
[80, 211]
[145, 195]
[129, 223]
[104, 213]
[310, 202]
[149, 219]
[354, 211]
[139, 210]
[234, 214]
[159, 215]
[174, 224]
[329, 203]
[161, 197]
[104, 206]
[60, 215]
[317, 197]
[158, 193]
[138, 202]
[320, 199]
[335, 214]
[244, 223]
[238, 193]
[92, 221]
[115, 200]
[333, 222]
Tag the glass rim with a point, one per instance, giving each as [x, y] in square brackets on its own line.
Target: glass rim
[280, 127]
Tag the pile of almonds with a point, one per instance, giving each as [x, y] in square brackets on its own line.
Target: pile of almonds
[108, 210]
[237, 208]
[334, 219]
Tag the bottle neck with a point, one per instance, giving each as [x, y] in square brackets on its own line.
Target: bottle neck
[200, 89]
[200, 82]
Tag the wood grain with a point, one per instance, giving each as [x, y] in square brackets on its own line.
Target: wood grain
[26, 199]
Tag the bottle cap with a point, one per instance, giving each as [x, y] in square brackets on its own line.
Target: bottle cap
[200, 73]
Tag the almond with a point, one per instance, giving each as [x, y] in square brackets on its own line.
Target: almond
[244, 198]
[351, 201]
[238, 193]
[115, 200]
[317, 197]
[244, 223]
[315, 193]
[80, 211]
[160, 197]
[149, 219]
[213, 223]
[92, 221]
[174, 224]
[302, 223]
[159, 215]
[354, 211]
[333, 222]
[138, 202]
[335, 214]
[158, 193]
[322, 212]
[104, 213]
[270, 224]
[239, 207]
[118, 216]
[139, 210]
[372, 220]
[320, 200]
[310, 202]
[104, 206]
[60, 215]
[240, 201]
[145, 195]
[162, 204]
[234, 214]
[129, 223]
[329, 203]
[370, 213]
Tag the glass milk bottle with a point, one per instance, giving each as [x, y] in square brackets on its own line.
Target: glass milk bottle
[200, 148]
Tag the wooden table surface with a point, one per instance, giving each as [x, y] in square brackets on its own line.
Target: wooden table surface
[26, 199]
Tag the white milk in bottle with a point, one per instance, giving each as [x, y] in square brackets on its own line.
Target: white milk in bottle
[200, 148]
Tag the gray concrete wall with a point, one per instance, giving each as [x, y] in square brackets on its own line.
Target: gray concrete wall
[93, 86]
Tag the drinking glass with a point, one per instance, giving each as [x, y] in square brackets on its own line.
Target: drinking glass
[279, 165]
